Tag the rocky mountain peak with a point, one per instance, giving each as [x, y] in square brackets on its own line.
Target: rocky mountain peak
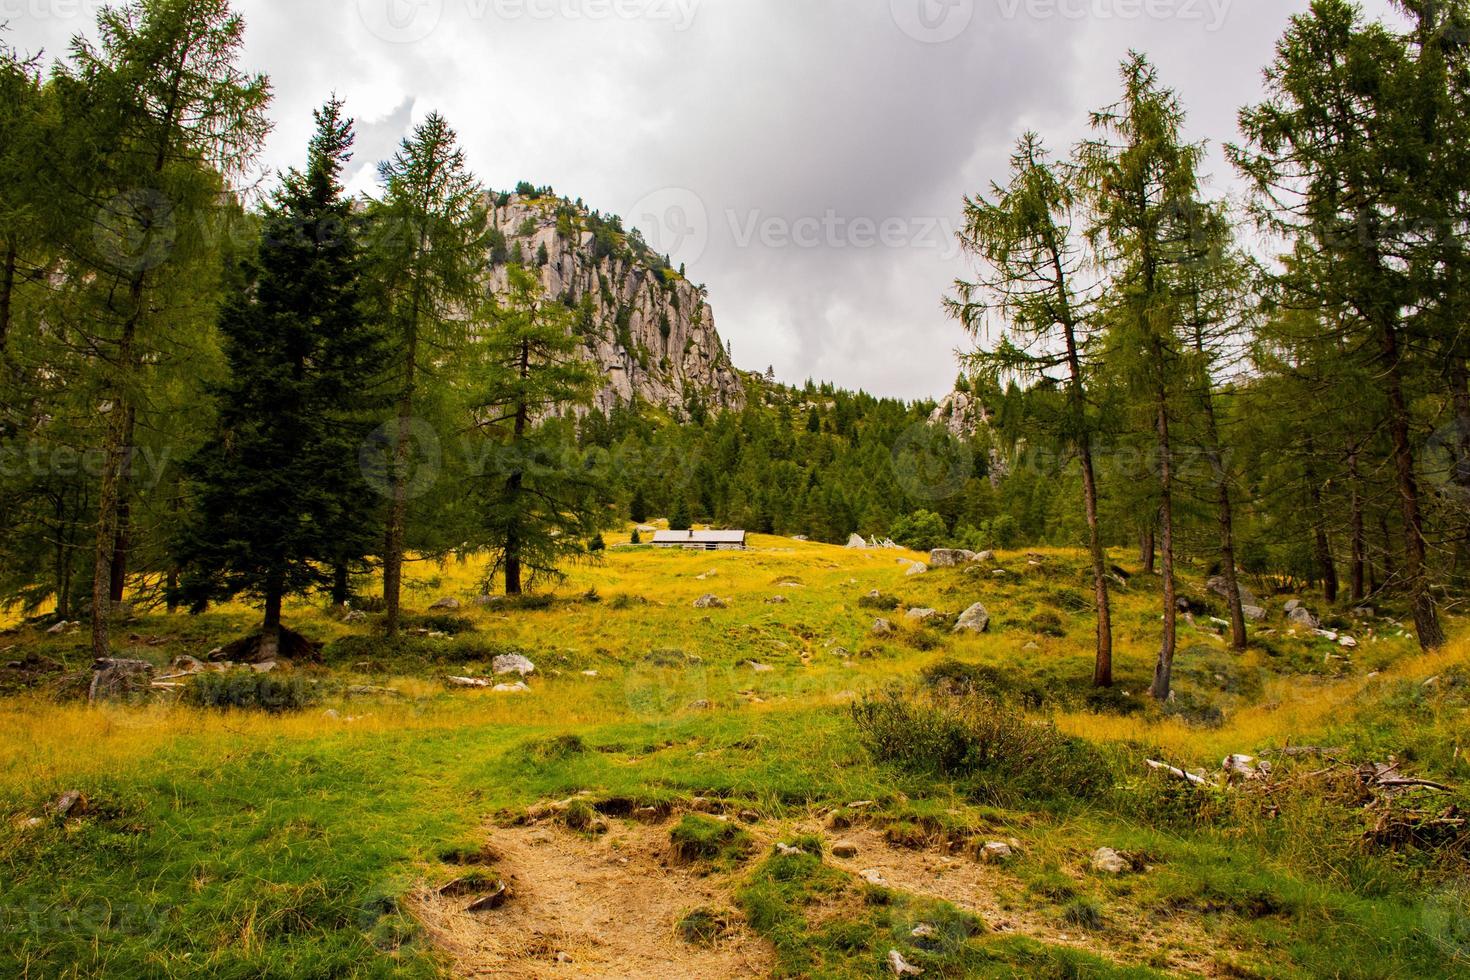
[648, 328]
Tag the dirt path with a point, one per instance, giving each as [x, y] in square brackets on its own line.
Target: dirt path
[591, 908]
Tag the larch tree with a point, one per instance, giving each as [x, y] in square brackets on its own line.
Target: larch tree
[1139, 176]
[431, 247]
[1024, 233]
[158, 115]
[1336, 158]
[542, 502]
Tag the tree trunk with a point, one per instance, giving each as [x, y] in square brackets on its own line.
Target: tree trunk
[1321, 543]
[1359, 575]
[1426, 614]
[270, 632]
[1147, 550]
[122, 544]
[513, 487]
[398, 511]
[1460, 475]
[7, 291]
[341, 584]
[1164, 672]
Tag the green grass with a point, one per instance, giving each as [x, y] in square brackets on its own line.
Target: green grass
[237, 843]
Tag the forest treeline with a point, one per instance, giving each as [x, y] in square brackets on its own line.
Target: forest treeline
[211, 394]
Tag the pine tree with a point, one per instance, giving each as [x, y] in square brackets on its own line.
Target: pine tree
[1024, 233]
[279, 496]
[1140, 176]
[432, 246]
[541, 503]
[155, 115]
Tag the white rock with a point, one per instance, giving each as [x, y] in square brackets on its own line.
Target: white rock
[976, 619]
[900, 966]
[917, 569]
[922, 615]
[1109, 861]
[874, 877]
[513, 663]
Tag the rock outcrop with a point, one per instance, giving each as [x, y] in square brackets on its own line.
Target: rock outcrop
[649, 330]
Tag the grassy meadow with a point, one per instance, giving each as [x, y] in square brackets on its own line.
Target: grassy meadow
[301, 844]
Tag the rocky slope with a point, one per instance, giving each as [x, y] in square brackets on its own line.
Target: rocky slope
[650, 330]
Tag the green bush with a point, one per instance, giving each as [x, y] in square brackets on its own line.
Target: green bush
[699, 838]
[249, 691]
[984, 745]
[882, 603]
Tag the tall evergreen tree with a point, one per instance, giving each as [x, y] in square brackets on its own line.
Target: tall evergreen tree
[1024, 233]
[1141, 176]
[542, 504]
[280, 499]
[432, 248]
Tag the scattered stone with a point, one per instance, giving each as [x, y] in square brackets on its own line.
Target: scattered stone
[923, 615]
[1221, 588]
[113, 678]
[882, 627]
[1109, 861]
[985, 556]
[918, 568]
[856, 542]
[997, 852]
[60, 628]
[759, 668]
[950, 558]
[65, 804]
[845, 849]
[1000, 573]
[900, 966]
[445, 605]
[1347, 642]
[976, 619]
[512, 663]
[519, 687]
[469, 682]
[710, 602]
[749, 816]
[1292, 606]
[874, 877]
[786, 850]
[490, 601]
[923, 931]
[590, 673]
[1255, 614]
[777, 600]
[1302, 616]
[706, 576]
[1246, 767]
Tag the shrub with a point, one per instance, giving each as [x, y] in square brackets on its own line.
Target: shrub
[986, 746]
[597, 544]
[1048, 623]
[1084, 913]
[882, 603]
[249, 691]
[557, 748]
[703, 927]
[435, 623]
[923, 531]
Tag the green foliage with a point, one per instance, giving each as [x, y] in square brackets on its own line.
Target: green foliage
[701, 838]
[923, 531]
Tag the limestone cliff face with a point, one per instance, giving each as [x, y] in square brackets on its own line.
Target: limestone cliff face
[649, 330]
[961, 413]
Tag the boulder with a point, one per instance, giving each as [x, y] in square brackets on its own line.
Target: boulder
[900, 966]
[996, 852]
[710, 602]
[985, 556]
[1255, 614]
[882, 627]
[1221, 588]
[922, 615]
[113, 678]
[1302, 616]
[976, 619]
[918, 568]
[519, 687]
[445, 605]
[1292, 606]
[856, 542]
[950, 558]
[777, 600]
[513, 663]
[845, 850]
[1110, 862]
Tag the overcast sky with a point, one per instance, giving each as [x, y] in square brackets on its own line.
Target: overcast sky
[806, 158]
